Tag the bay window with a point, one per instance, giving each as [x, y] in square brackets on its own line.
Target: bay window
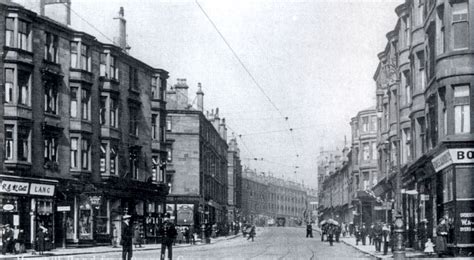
[113, 159]
[85, 104]
[462, 113]
[23, 35]
[154, 127]
[9, 83]
[23, 144]
[113, 112]
[74, 55]
[103, 65]
[74, 104]
[23, 87]
[51, 88]
[9, 142]
[460, 25]
[102, 109]
[85, 153]
[74, 152]
[85, 58]
[51, 47]
[9, 31]
[103, 157]
[50, 149]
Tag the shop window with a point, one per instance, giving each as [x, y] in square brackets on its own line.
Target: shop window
[9, 83]
[9, 142]
[448, 191]
[74, 104]
[460, 25]
[462, 114]
[464, 180]
[85, 104]
[85, 222]
[51, 47]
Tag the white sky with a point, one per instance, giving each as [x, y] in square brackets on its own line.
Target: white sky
[314, 59]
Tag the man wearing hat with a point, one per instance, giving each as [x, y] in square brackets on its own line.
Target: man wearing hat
[126, 241]
[168, 235]
[7, 239]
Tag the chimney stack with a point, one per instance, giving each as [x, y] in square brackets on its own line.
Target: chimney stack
[120, 36]
[181, 89]
[58, 10]
[200, 98]
[36, 6]
[216, 120]
[223, 130]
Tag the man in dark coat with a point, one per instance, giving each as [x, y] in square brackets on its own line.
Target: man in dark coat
[377, 236]
[330, 233]
[127, 236]
[309, 230]
[363, 234]
[168, 234]
[7, 239]
[441, 237]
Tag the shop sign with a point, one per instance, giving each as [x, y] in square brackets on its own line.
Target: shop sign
[467, 222]
[95, 200]
[424, 197]
[64, 208]
[442, 161]
[14, 187]
[462, 155]
[42, 189]
[8, 207]
[450, 156]
[185, 214]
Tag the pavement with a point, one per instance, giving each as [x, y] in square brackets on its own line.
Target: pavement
[370, 250]
[98, 250]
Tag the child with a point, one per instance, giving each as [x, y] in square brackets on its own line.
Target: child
[429, 247]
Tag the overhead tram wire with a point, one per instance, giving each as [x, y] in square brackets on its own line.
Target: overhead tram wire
[249, 73]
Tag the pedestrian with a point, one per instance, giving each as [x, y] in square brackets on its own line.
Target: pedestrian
[370, 234]
[351, 229]
[429, 247]
[40, 241]
[114, 235]
[441, 237]
[363, 234]
[377, 236]
[309, 230]
[422, 234]
[168, 233]
[186, 234]
[330, 234]
[137, 237]
[180, 235]
[357, 234]
[337, 230]
[47, 239]
[20, 242]
[252, 233]
[7, 239]
[386, 238]
[127, 236]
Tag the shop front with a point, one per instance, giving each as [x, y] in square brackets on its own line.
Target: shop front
[27, 203]
[455, 170]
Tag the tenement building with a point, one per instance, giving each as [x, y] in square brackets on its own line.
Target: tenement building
[268, 199]
[364, 165]
[82, 129]
[424, 94]
[197, 160]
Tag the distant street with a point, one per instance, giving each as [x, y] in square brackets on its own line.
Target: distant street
[270, 243]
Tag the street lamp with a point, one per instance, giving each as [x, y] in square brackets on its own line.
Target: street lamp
[399, 248]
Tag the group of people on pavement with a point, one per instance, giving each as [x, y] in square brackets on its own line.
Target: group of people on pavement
[250, 230]
[14, 239]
